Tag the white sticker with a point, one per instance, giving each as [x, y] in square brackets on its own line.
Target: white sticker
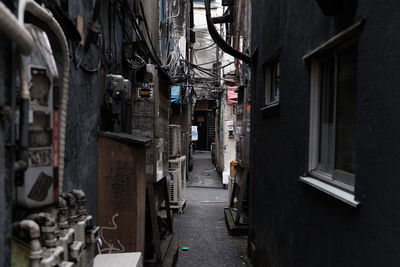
[30, 116]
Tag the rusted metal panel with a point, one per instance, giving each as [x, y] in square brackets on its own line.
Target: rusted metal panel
[122, 192]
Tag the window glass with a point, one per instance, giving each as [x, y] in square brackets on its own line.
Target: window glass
[272, 82]
[346, 111]
[327, 109]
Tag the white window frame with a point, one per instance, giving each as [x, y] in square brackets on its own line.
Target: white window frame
[314, 142]
[317, 178]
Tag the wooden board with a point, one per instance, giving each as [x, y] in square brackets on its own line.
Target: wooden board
[122, 193]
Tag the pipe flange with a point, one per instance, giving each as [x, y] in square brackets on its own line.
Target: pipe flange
[48, 229]
[50, 242]
[63, 225]
[36, 255]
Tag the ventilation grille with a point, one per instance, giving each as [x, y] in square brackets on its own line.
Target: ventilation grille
[173, 186]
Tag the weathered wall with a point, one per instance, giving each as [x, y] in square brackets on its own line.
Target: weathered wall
[294, 224]
[84, 109]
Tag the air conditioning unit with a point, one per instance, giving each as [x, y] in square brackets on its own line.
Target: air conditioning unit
[182, 192]
[173, 185]
[174, 140]
[179, 164]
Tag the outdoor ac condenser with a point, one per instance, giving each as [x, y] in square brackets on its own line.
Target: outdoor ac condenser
[173, 185]
[179, 164]
[174, 140]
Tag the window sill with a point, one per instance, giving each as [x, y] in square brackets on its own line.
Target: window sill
[331, 190]
[270, 105]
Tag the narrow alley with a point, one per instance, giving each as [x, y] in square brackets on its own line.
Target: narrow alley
[201, 227]
[199, 133]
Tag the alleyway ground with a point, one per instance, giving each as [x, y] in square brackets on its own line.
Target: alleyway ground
[202, 227]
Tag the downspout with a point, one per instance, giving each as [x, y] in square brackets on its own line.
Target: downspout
[32, 228]
[46, 16]
[17, 33]
[219, 40]
[22, 163]
[236, 35]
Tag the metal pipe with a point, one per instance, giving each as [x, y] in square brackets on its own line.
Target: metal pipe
[48, 227]
[22, 164]
[47, 17]
[219, 40]
[81, 202]
[62, 218]
[32, 228]
[15, 30]
[71, 200]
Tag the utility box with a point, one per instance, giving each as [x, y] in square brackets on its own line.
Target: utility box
[38, 185]
[122, 191]
[150, 106]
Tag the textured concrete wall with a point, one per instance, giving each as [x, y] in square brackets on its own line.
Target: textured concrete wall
[294, 224]
[229, 142]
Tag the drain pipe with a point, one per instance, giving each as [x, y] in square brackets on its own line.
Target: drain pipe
[32, 228]
[17, 32]
[219, 40]
[48, 227]
[22, 164]
[47, 17]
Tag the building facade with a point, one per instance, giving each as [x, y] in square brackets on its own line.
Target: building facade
[323, 189]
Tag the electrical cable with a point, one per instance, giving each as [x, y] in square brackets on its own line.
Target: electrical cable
[139, 33]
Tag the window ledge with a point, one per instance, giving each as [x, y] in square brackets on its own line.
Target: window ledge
[331, 190]
[270, 105]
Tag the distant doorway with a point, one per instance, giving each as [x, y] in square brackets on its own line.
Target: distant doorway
[204, 119]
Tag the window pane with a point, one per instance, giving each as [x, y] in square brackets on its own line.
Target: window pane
[277, 80]
[346, 111]
[326, 131]
[267, 74]
[272, 83]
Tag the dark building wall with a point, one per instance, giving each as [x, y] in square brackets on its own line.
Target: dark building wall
[294, 224]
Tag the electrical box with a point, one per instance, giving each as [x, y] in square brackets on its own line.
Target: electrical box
[150, 106]
[115, 92]
[230, 126]
[38, 185]
[118, 99]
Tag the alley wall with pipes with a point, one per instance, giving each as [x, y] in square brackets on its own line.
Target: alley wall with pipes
[85, 98]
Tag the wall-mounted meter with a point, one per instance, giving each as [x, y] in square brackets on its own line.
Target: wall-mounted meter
[38, 185]
[146, 90]
[115, 92]
[230, 126]
[127, 89]
[119, 99]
